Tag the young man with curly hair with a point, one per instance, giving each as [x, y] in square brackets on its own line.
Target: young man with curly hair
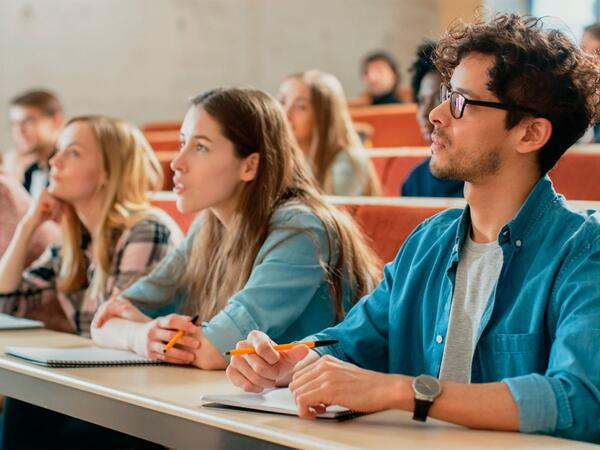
[489, 317]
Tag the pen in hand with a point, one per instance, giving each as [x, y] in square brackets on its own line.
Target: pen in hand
[178, 336]
[281, 347]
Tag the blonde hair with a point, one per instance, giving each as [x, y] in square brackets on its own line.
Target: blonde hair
[221, 260]
[334, 130]
[132, 169]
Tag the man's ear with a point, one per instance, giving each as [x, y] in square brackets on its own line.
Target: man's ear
[250, 167]
[535, 134]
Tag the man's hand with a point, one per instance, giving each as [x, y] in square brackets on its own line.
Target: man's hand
[268, 367]
[329, 381]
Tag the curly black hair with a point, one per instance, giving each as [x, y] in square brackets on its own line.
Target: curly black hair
[422, 66]
[542, 70]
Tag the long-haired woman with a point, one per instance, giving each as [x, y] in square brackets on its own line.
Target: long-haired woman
[266, 252]
[317, 111]
[99, 182]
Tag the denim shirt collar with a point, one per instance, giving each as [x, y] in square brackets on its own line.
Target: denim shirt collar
[541, 197]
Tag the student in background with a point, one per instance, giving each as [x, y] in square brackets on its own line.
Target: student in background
[266, 251]
[590, 41]
[316, 109]
[381, 80]
[425, 84]
[489, 316]
[36, 118]
[99, 182]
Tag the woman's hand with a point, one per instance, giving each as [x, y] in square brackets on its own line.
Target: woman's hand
[151, 338]
[118, 308]
[46, 207]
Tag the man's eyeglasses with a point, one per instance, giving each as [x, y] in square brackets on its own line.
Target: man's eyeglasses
[459, 101]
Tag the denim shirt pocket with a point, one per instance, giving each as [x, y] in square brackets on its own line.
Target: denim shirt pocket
[521, 354]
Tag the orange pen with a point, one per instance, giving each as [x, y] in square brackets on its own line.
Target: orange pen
[177, 336]
[281, 347]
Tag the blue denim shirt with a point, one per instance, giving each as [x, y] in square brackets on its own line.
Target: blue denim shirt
[540, 331]
[286, 296]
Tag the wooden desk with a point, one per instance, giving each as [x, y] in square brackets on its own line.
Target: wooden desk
[162, 404]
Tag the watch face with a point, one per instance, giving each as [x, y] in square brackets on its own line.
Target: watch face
[427, 385]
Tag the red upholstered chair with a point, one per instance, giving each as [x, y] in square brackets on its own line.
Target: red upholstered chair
[577, 175]
[165, 140]
[393, 166]
[163, 125]
[386, 227]
[393, 125]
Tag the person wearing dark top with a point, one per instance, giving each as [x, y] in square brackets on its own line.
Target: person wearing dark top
[425, 85]
[381, 78]
[36, 118]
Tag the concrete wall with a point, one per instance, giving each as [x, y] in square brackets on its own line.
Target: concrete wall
[142, 59]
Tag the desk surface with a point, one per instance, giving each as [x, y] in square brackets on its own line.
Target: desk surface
[176, 391]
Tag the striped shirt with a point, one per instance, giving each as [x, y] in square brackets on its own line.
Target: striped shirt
[137, 250]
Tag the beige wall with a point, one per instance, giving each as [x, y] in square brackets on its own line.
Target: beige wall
[450, 10]
[142, 59]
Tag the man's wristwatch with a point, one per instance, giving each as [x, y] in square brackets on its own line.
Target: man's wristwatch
[426, 388]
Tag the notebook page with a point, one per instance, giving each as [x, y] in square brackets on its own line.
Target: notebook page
[17, 323]
[83, 356]
[275, 400]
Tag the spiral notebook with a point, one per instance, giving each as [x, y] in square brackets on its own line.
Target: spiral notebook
[278, 401]
[18, 323]
[87, 356]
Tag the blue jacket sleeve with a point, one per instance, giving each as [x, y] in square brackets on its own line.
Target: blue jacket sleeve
[286, 276]
[565, 401]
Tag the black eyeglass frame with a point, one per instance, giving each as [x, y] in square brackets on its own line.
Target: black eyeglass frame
[445, 89]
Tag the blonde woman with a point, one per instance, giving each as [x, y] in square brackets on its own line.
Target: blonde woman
[317, 111]
[99, 183]
[266, 252]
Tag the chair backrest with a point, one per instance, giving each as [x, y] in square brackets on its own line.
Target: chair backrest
[393, 125]
[163, 125]
[387, 222]
[393, 166]
[577, 175]
[164, 140]
[387, 226]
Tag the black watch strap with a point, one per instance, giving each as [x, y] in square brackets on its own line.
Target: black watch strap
[421, 409]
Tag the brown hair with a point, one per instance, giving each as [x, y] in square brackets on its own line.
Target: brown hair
[334, 130]
[221, 260]
[541, 70]
[132, 169]
[45, 101]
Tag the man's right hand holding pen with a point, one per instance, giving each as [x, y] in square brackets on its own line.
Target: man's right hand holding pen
[315, 381]
[267, 367]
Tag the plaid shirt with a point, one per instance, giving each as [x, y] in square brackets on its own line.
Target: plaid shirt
[137, 250]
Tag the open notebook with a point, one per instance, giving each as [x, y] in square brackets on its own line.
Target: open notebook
[16, 323]
[78, 356]
[279, 401]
